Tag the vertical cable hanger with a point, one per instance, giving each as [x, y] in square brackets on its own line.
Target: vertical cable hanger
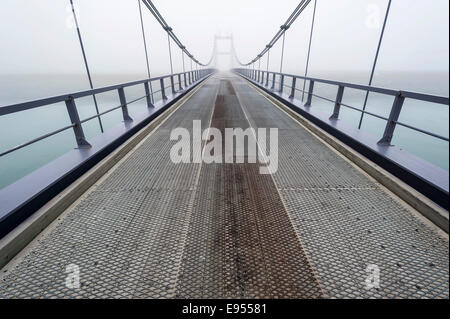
[268, 60]
[283, 27]
[170, 49]
[86, 63]
[309, 49]
[145, 48]
[182, 58]
[375, 61]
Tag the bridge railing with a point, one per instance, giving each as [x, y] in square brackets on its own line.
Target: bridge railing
[177, 83]
[275, 81]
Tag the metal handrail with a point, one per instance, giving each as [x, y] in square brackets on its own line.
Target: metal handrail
[194, 77]
[269, 80]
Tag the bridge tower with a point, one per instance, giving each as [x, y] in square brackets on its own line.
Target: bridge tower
[223, 46]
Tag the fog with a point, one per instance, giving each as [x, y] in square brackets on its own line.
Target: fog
[38, 37]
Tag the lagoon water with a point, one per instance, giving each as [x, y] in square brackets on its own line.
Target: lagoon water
[23, 126]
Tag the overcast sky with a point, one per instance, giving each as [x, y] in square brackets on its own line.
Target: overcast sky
[37, 37]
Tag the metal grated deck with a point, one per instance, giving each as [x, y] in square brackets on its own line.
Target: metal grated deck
[346, 221]
[154, 229]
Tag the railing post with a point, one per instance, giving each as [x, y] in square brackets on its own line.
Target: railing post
[172, 84]
[310, 93]
[75, 119]
[294, 83]
[179, 82]
[189, 77]
[337, 106]
[148, 94]
[123, 104]
[185, 81]
[281, 84]
[267, 78]
[393, 118]
[273, 81]
[163, 89]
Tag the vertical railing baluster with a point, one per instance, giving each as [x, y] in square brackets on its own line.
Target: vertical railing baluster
[123, 104]
[337, 105]
[281, 84]
[310, 93]
[392, 121]
[274, 77]
[294, 83]
[148, 94]
[172, 84]
[163, 89]
[75, 119]
[179, 82]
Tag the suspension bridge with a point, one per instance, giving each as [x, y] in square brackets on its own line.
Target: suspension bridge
[345, 215]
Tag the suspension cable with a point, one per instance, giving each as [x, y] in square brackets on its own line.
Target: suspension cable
[86, 63]
[376, 60]
[151, 7]
[170, 54]
[309, 48]
[292, 18]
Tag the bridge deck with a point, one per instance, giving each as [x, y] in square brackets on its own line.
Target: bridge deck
[154, 229]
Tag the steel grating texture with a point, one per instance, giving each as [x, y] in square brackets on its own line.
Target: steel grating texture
[241, 243]
[126, 234]
[346, 221]
[154, 229]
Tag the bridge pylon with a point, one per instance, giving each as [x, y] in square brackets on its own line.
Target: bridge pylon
[221, 52]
